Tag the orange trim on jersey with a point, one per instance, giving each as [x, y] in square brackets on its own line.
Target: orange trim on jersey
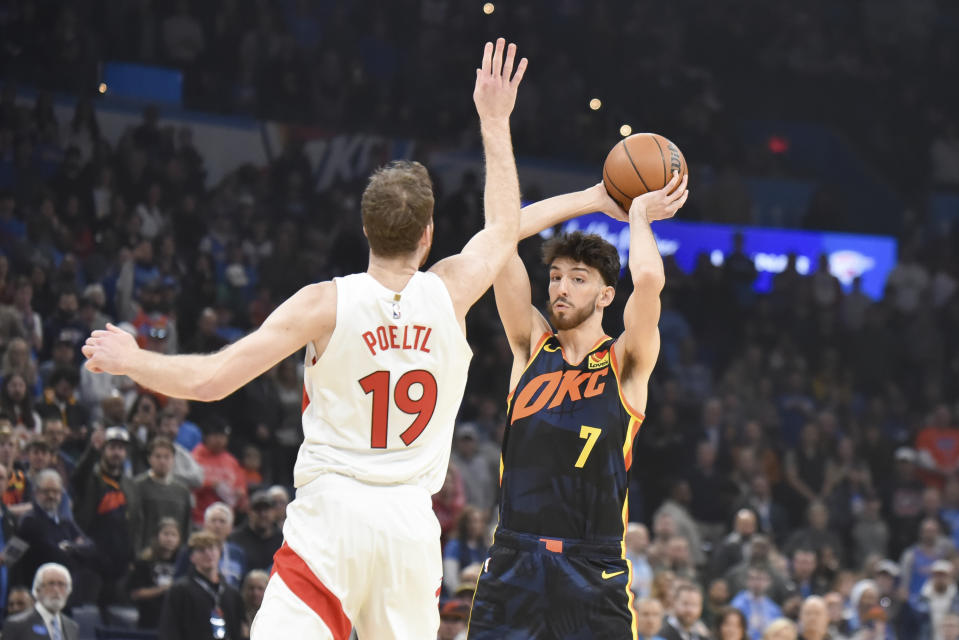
[535, 352]
[307, 587]
[625, 523]
[614, 363]
[306, 400]
[501, 469]
[631, 430]
[629, 597]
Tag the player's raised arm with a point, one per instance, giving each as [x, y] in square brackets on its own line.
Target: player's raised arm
[471, 272]
[638, 348]
[308, 315]
[523, 323]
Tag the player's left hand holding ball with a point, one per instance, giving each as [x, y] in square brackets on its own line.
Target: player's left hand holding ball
[661, 204]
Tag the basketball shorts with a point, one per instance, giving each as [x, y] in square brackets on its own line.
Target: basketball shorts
[354, 555]
[552, 589]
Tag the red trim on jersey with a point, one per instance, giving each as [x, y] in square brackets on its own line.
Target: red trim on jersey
[306, 400]
[308, 588]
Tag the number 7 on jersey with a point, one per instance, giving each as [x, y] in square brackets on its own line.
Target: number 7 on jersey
[378, 384]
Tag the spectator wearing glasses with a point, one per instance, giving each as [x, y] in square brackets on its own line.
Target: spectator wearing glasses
[52, 537]
[52, 586]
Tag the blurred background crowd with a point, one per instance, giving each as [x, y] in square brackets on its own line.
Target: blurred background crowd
[799, 443]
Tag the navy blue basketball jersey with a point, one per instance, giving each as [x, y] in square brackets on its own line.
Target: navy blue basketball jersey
[567, 448]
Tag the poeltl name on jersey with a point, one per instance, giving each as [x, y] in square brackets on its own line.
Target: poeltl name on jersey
[394, 337]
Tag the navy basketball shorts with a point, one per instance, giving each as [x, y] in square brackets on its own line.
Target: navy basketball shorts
[552, 589]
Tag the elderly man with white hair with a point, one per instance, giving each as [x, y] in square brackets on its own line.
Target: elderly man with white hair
[52, 585]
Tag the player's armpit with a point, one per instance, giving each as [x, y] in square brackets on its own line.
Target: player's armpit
[309, 315]
[470, 273]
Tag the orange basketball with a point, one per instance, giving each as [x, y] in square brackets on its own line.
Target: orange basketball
[640, 163]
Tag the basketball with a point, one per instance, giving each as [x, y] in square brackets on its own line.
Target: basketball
[641, 163]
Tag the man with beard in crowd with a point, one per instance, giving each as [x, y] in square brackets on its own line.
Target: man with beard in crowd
[51, 588]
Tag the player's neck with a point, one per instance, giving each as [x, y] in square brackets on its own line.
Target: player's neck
[579, 341]
[394, 272]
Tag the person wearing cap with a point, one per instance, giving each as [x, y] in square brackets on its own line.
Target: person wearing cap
[453, 616]
[259, 538]
[937, 598]
[105, 498]
[201, 605]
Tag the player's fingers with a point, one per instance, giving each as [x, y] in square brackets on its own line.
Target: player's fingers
[488, 58]
[677, 192]
[520, 70]
[676, 206]
[508, 64]
[498, 57]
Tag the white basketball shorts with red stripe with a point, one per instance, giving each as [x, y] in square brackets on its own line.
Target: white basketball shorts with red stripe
[354, 555]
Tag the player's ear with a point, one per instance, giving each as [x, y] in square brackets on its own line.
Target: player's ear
[606, 297]
[365, 234]
[427, 238]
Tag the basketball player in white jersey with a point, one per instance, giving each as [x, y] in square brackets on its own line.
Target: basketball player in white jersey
[386, 363]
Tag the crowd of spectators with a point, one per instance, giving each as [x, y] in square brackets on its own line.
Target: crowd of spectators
[800, 450]
[397, 67]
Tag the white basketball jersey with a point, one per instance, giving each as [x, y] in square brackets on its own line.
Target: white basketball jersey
[380, 402]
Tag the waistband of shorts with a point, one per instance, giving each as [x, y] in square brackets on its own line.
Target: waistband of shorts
[566, 546]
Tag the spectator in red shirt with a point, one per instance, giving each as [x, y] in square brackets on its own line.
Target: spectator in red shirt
[938, 447]
[224, 480]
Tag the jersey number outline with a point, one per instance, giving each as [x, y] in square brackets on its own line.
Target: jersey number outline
[590, 435]
[378, 383]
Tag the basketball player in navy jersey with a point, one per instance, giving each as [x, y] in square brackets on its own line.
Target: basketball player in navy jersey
[557, 567]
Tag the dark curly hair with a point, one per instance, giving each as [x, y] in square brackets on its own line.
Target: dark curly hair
[588, 248]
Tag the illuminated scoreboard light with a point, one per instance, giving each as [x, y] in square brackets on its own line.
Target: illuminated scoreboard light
[850, 254]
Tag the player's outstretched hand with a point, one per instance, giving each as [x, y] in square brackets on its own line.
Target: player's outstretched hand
[664, 203]
[108, 350]
[496, 83]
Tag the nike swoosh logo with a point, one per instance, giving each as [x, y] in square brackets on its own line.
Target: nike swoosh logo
[607, 576]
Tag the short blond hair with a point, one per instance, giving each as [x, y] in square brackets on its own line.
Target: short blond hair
[397, 206]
